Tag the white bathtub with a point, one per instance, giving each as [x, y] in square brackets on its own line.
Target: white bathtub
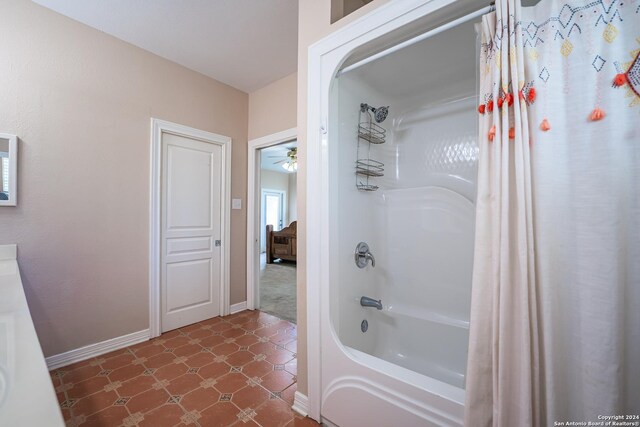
[424, 342]
[424, 288]
[417, 345]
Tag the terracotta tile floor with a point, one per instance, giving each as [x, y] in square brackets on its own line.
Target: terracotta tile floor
[233, 370]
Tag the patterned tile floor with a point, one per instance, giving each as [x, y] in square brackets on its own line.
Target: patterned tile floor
[236, 370]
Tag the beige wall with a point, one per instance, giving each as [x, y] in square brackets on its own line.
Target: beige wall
[313, 24]
[271, 180]
[273, 108]
[342, 8]
[81, 103]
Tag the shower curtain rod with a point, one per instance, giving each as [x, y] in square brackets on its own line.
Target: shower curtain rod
[417, 39]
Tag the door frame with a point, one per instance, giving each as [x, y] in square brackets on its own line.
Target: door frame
[253, 201]
[158, 127]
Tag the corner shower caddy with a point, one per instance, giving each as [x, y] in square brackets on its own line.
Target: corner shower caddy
[369, 133]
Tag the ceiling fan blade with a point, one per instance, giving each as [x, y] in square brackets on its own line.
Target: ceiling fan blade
[281, 161]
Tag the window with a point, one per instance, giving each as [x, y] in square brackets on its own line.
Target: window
[5, 174]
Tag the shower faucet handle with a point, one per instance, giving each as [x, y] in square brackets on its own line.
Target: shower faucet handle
[362, 256]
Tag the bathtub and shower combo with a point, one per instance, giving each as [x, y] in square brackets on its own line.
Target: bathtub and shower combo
[393, 148]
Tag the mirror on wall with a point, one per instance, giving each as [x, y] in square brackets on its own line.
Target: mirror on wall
[8, 169]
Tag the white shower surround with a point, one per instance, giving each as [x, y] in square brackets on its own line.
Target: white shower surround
[362, 386]
[419, 225]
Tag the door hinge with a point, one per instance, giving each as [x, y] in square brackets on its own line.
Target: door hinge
[217, 243]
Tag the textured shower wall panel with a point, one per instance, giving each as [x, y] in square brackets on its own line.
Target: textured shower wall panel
[427, 225]
[435, 145]
[430, 207]
[431, 231]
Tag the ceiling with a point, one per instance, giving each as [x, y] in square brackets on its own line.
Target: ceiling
[270, 155]
[246, 44]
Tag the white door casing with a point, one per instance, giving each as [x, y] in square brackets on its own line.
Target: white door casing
[190, 190]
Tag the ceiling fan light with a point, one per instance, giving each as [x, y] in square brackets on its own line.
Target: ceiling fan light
[290, 166]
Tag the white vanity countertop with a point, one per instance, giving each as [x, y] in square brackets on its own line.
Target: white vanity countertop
[27, 397]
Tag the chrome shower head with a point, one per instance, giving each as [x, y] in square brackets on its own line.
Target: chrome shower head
[379, 114]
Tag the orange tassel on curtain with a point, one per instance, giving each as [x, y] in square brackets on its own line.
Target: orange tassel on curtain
[596, 115]
[620, 80]
[545, 126]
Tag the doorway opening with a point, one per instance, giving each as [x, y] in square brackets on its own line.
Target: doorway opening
[272, 225]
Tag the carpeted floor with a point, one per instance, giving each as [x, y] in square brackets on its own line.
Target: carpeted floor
[278, 289]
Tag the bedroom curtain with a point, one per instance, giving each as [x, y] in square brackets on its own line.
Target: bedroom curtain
[555, 325]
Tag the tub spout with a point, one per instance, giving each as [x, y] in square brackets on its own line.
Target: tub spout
[370, 302]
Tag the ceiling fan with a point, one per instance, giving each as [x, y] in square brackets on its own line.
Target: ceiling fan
[290, 163]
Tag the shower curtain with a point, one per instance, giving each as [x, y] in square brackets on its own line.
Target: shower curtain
[555, 324]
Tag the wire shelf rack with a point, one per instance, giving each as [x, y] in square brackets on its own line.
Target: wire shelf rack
[369, 167]
[369, 133]
[367, 187]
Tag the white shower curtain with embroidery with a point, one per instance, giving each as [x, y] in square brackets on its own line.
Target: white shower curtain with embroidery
[555, 318]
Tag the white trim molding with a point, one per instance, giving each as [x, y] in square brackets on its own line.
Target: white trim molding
[158, 127]
[97, 349]
[300, 404]
[237, 308]
[253, 202]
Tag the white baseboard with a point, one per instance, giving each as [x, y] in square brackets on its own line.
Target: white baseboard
[97, 349]
[301, 404]
[236, 308]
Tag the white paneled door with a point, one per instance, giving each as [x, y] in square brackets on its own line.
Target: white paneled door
[191, 230]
